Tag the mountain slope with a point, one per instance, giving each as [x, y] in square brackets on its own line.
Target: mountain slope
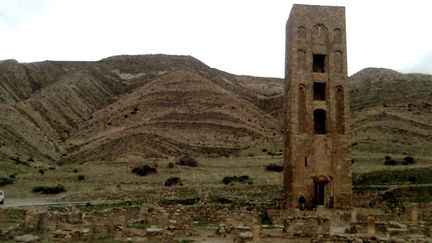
[391, 112]
[136, 107]
[141, 106]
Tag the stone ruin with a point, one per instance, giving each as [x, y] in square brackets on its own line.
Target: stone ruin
[146, 222]
[317, 163]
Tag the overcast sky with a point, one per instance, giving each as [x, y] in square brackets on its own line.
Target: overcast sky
[237, 36]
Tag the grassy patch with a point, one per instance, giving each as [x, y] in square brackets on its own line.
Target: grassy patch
[184, 201]
[394, 177]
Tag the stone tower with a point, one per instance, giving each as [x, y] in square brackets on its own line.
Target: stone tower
[317, 148]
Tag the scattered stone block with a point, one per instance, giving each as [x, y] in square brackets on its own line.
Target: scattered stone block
[244, 237]
[371, 225]
[154, 231]
[256, 233]
[27, 238]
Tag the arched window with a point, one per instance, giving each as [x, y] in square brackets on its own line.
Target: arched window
[337, 36]
[340, 123]
[302, 117]
[301, 33]
[320, 118]
[319, 34]
[301, 59]
[338, 63]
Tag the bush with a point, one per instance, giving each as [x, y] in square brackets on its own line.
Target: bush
[41, 171]
[81, 177]
[170, 165]
[186, 160]
[390, 162]
[232, 179]
[184, 201]
[144, 170]
[5, 181]
[221, 199]
[274, 167]
[172, 181]
[275, 153]
[408, 160]
[49, 190]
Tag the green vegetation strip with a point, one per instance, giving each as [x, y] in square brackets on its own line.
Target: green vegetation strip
[394, 177]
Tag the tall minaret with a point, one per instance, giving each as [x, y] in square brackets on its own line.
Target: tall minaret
[317, 163]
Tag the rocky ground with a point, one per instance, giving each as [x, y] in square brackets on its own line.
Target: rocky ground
[201, 208]
[141, 222]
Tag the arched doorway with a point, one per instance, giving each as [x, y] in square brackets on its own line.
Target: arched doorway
[322, 192]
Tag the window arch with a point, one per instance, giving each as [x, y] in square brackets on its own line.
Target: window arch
[337, 62]
[340, 113]
[319, 34]
[320, 117]
[302, 115]
[337, 36]
[301, 33]
[301, 59]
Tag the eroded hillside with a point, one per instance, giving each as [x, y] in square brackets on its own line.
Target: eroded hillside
[391, 112]
[135, 107]
[128, 107]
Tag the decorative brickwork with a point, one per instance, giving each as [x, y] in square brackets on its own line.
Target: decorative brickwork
[317, 150]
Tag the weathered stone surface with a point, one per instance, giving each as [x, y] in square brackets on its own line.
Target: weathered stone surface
[256, 232]
[371, 226]
[242, 228]
[154, 231]
[317, 167]
[27, 238]
[244, 236]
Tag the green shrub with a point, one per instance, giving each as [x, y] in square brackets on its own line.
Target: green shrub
[81, 177]
[184, 201]
[172, 181]
[49, 190]
[408, 160]
[390, 162]
[186, 160]
[221, 199]
[275, 153]
[6, 181]
[232, 179]
[144, 170]
[274, 167]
